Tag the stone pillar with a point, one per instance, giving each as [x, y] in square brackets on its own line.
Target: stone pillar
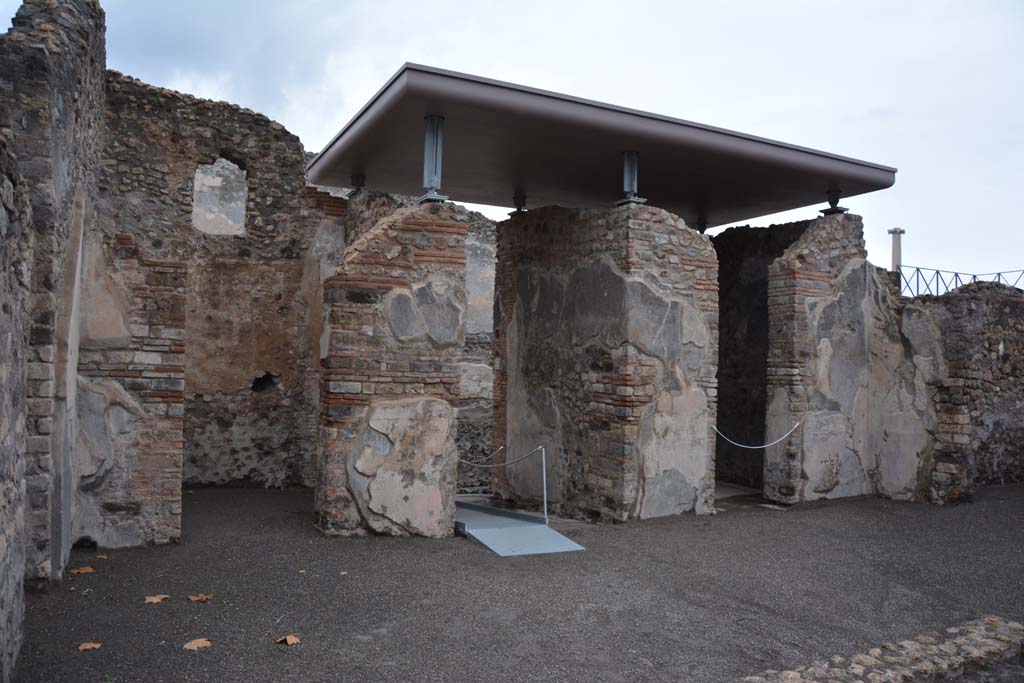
[800, 282]
[606, 334]
[897, 248]
[390, 355]
[839, 363]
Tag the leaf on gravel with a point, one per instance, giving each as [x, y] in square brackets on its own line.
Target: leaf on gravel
[101, 556]
[89, 646]
[157, 598]
[82, 570]
[202, 597]
[290, 639]
[197, 644]
[342, 573]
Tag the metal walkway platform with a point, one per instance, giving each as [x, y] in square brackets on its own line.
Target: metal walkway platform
[509, 533]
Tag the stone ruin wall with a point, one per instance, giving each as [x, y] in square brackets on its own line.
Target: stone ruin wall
[16, 239]
[476, 408]
[200, 329]
[744, 256]
[979, 396]
[606, 325]
[51, 74]
[394, 329]
[911, 399]
[153, 328]
[839, 363]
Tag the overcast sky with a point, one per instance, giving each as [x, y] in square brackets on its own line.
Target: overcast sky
[933, 88]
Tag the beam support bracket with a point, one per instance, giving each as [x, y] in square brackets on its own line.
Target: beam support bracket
[833, 203]
[433, 146]
[630, 171]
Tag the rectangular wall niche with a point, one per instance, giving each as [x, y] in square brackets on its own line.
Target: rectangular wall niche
[218, 198]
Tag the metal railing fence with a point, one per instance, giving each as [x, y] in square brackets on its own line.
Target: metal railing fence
[916, 281]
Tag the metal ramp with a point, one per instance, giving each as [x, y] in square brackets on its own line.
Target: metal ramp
[509, 533]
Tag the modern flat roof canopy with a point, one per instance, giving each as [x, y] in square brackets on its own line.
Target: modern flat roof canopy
[499, 139]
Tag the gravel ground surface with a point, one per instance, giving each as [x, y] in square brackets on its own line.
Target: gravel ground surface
[677, 599]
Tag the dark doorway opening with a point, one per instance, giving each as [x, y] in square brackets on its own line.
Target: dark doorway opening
[745, 255]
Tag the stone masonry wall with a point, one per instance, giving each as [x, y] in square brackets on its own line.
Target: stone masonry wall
[476, 400]
[840, 363]
[979, 399]
[226, 359]
[51, 78]
[476, 409]
[606, 326]
[16, 239]
[390, 355]
[744, 255]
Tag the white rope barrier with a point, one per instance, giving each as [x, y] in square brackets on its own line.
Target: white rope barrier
[756, 448]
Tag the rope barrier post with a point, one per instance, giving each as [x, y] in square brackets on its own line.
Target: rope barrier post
[544, 480]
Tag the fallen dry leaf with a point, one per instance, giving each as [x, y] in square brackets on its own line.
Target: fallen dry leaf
[82, 570]
[290, 639]
[101, 556]
[157, 598]
[197, 644]
[342, 573]
[202, 597]
[89, 646]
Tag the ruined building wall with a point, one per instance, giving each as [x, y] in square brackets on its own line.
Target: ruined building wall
[744, 255]
[16, 240]
[606, 326]
[979, 396]
[392, 345]
[840, 362]
[51, 76]
[198, 359]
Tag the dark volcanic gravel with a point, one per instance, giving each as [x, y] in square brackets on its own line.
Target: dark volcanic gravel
[676, 599]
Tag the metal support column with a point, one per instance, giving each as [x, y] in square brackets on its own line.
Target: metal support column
[630, 171]
[432, 148]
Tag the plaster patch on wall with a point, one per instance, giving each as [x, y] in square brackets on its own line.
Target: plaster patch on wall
[218, 198]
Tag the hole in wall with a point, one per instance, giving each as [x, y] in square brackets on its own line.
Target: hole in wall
[265, 382]
[84, 542]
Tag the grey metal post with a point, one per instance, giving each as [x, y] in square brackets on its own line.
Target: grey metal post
[897, 248]
[433, 146]
[630, 175]
[544, 480]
